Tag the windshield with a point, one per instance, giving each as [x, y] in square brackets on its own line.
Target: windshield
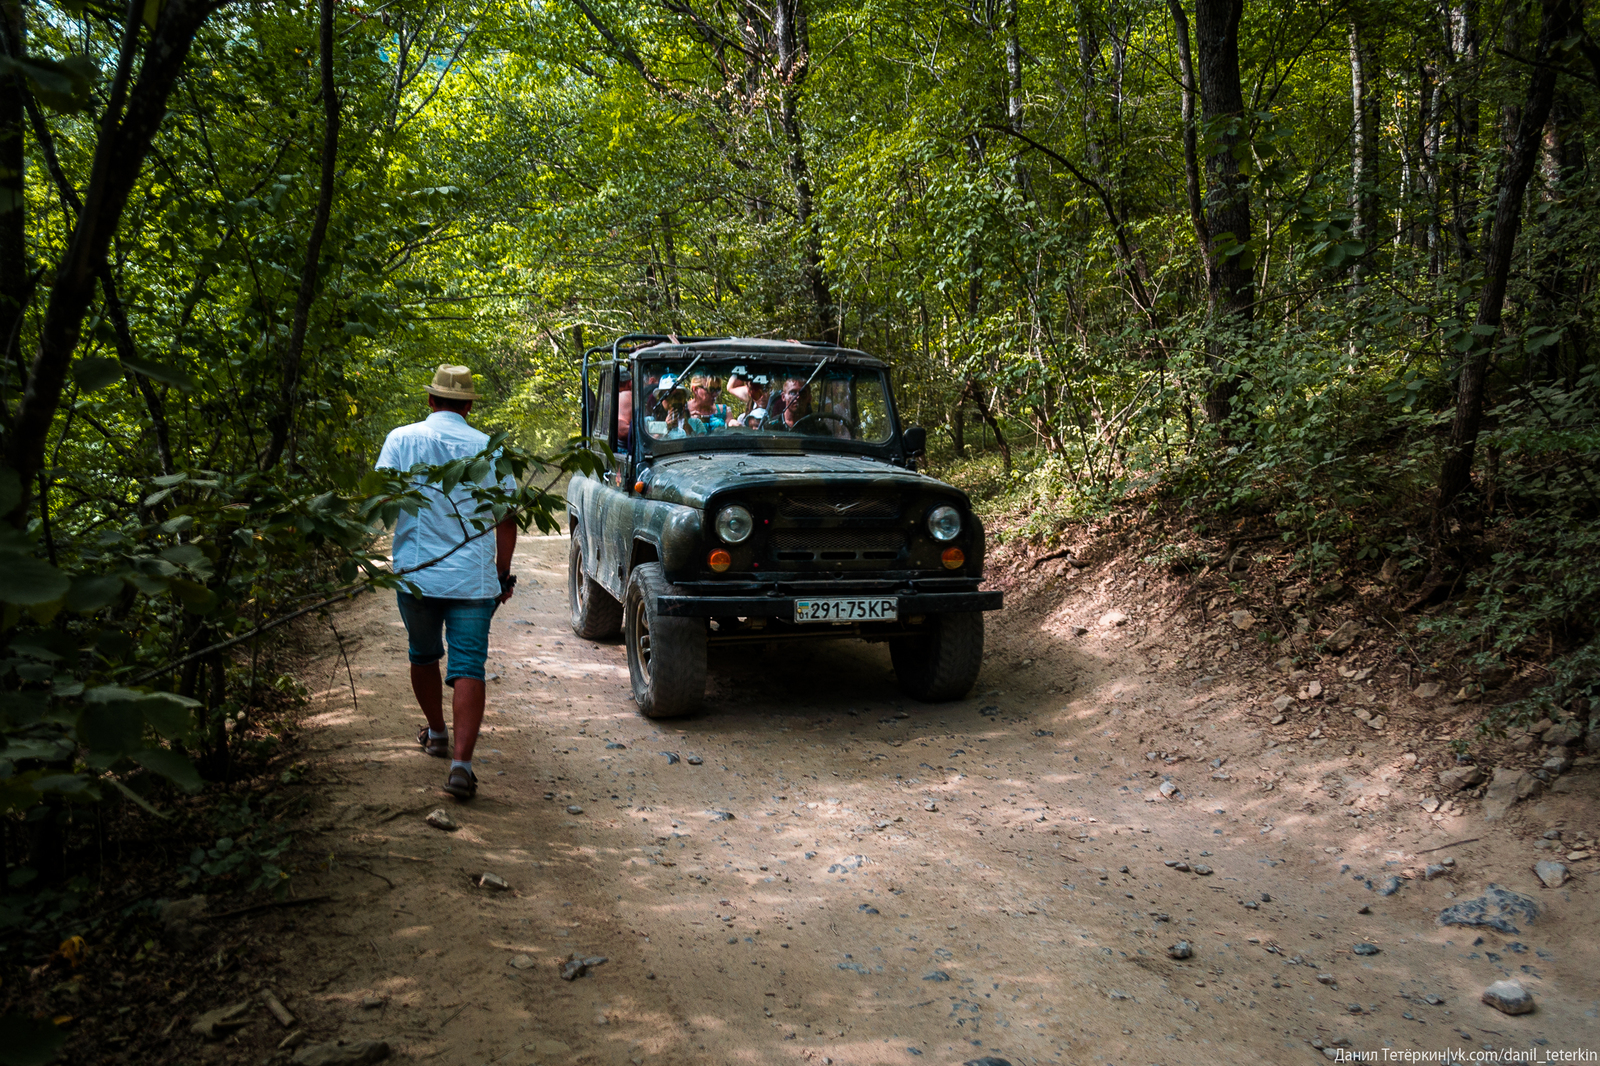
[763, 399]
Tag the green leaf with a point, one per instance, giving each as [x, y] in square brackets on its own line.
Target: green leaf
[113, 729]
[29, 581]
[195, 596]
[185, 555]
[90, 592]
[167, 375]
[66, 785]
[169, 714]
[60, 84]
[148, 584]
[95, 372]
[174, 766]
[27, 1041]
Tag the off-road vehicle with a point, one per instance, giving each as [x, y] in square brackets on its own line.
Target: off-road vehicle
[765, 491]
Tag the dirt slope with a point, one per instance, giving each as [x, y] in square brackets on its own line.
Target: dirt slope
[829, 872]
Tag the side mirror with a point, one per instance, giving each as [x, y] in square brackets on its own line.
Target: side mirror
[915, 439]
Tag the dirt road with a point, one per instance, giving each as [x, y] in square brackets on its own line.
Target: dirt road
[816, 870]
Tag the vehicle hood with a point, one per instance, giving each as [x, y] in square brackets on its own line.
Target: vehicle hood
[693, 479]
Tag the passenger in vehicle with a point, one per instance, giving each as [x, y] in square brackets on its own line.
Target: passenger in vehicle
[704, 408]
[755, 391]
[624, 412]
[674, 407]
[835, 406]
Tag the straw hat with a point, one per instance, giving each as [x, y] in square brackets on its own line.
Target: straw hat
[453, 383]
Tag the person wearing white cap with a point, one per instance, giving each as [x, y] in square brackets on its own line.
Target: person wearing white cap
[459, 592]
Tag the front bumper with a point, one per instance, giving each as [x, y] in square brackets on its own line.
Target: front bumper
[781, 605]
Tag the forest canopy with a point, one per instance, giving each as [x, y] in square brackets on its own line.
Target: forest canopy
[1331, 262]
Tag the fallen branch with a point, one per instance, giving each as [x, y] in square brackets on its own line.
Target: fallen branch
[307, 901]
[1455, 844]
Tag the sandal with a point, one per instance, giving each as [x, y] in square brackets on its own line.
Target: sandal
[438, 747]
[462, 783]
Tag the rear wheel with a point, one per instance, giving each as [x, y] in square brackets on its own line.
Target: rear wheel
[943, 664]
[666, 656]
[596, 615]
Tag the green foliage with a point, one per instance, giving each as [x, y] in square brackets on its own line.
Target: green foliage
[244, 855]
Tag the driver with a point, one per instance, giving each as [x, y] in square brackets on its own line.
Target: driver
[791, 404]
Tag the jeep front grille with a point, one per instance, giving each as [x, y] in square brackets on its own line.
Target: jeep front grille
[839, 506]
[835, 545]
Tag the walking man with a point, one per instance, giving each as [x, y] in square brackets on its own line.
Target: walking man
[460, 592]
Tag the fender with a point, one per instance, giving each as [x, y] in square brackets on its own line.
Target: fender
[675, 532]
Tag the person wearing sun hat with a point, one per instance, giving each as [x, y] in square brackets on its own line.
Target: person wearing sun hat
[455, 597]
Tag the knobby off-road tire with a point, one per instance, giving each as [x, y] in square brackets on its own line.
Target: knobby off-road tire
[596, 615]
[666, 656]
[944, 664]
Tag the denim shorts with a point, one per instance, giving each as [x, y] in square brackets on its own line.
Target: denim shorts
[431, 621]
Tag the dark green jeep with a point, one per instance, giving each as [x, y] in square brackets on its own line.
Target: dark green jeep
[763, 491]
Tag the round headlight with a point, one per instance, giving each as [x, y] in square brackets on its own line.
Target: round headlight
[734, 524]
[944, 523]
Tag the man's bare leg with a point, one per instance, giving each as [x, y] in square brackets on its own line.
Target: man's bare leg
[427, 686]
[467, 709]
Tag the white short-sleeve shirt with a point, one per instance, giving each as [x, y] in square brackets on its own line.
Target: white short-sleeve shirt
[469, 573]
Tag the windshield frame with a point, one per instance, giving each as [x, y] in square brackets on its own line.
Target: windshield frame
[722, 361]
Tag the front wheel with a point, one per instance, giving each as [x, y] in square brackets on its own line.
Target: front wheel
[666, 656]
[943, 664]
[596, 615]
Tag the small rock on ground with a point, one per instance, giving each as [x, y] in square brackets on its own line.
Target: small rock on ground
[1461, 777]
[1180, 950]
[1553, 874]
[439, 818]
[1365, 948]
[213, 1023]
[1114, 617]
[1509, 997]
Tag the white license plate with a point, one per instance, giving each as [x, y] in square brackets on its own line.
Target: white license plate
[847, 609]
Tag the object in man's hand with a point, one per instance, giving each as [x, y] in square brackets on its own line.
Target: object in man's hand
[507, 583]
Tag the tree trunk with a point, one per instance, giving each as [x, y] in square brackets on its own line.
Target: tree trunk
[789, 31]
[128, 124]
[981, 402]
[289, 362]
[14, 282]
[1363, 154]
[1562, 164]
[1231, 286]
[1088, 58]
[1191, 154]
[1455, 474]
[1019, 174]
[1462, 38]
[958, 430]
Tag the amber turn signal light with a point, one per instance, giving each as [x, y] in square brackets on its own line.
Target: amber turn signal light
[953, 558]
[719, 560]
[638, 486]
